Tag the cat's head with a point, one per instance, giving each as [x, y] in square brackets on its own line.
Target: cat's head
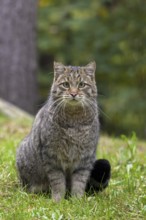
[74, 84]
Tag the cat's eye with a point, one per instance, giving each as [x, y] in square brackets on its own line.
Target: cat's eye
[66, 84]
[82, 85]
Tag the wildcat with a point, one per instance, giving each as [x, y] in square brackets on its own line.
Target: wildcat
[59, 153]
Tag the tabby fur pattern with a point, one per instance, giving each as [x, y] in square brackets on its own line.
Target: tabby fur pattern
[60, 150]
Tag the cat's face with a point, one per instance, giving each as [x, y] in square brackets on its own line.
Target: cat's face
[73, 84]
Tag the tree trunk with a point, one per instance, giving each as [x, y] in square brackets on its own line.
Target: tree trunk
[18, 80]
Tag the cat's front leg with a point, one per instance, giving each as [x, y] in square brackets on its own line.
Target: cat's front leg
[79, 181]
[57, 184]
[55, 175]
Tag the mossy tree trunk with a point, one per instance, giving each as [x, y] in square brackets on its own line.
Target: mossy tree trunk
[18, 80]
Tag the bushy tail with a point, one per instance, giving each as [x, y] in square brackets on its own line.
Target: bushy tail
[100, 176]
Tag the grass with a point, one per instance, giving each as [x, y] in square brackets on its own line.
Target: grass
[125, 198]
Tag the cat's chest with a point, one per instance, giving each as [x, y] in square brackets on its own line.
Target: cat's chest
[69, 154]
[72, 146]
[76, 135]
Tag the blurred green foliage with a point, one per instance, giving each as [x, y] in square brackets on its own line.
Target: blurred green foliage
[111, 32]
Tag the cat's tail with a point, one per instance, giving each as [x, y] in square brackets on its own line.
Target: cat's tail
[100, 176]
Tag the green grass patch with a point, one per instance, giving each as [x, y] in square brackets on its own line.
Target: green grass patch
[125, 198]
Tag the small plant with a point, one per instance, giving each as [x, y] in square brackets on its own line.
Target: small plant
[131, 147]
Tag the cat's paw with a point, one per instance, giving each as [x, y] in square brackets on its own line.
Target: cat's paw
[77, 191]
[57, 197]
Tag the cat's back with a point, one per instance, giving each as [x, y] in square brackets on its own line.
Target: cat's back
[28, 146]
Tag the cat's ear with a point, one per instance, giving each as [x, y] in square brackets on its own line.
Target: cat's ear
[58, 69]
[90, 69]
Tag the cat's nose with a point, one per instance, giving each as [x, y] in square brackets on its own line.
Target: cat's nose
[73, 94]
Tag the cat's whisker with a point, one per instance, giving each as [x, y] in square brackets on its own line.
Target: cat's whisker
[54, 103]
[57, 108]
[63, 109]
[93, 111]
[60, 108]
[83, 106]
[107, 116]
[57, 101]
[90, 104]
[99, 109]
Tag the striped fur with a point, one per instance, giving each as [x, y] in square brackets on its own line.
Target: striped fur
[60, 150]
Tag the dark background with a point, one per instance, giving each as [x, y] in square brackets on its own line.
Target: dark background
[113, 33]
